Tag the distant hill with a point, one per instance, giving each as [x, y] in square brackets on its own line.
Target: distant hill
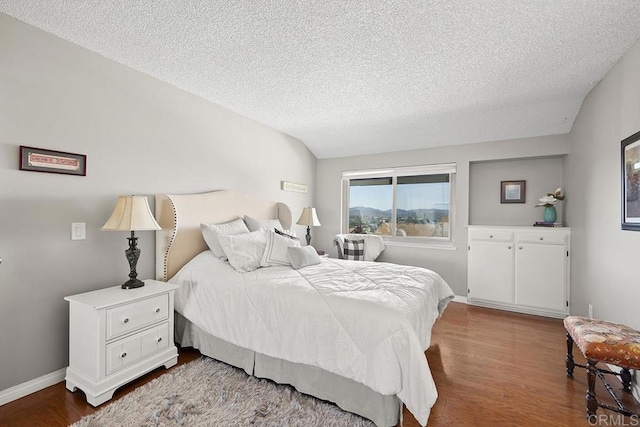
[433, 214]
[364, 211]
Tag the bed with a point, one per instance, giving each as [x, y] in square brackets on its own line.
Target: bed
[360, 345]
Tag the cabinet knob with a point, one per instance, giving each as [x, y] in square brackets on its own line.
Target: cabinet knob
[519, 247]
[125, 320]
[157, 310]
[541, 238]
[508, 247]
[491, 236]
[123, 355]
[159, 339]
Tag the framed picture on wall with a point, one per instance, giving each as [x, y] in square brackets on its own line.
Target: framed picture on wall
[513, 191]
[44, 160]
[630, 153]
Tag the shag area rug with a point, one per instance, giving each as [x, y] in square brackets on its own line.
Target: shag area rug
[206, 392]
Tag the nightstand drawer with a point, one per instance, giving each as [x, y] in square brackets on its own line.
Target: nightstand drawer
[136, 347]
[128, 318]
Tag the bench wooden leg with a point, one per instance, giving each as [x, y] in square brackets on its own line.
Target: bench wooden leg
[570, 363]
[625, 376]
[592, 403]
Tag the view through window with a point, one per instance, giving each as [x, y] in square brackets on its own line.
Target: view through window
[399, 205]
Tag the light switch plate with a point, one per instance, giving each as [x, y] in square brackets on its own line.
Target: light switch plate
[78, 231]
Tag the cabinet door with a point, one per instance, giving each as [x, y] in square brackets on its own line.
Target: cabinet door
[491, 272]
[541, 276]
[122, 353]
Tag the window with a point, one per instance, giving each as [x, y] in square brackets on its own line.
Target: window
[403, 204]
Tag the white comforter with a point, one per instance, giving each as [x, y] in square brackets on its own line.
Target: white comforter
[370, 322]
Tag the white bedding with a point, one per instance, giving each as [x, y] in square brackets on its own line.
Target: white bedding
[370, 322]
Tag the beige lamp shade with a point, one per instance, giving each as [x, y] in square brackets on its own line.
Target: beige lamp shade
[309, 217]
[132, 213]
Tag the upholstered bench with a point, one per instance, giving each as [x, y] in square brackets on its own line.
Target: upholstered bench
[605, 342]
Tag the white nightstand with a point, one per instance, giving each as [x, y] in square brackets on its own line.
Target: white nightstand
[117, 335]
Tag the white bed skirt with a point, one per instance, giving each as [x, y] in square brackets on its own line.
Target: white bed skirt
[349, 395]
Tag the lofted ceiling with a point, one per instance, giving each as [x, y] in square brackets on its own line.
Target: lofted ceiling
[353, 77]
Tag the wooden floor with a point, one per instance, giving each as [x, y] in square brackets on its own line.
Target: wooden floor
[491, 368]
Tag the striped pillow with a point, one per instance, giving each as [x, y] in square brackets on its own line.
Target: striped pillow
[353, 249]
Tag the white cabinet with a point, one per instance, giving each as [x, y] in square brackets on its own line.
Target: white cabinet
[523, 269]
[117, 335]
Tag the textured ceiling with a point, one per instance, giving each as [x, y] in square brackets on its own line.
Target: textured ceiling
[350, 77]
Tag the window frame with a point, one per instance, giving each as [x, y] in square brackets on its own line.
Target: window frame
[394, 173]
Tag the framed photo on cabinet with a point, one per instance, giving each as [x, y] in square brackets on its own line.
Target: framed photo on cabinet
[513, 191]
[630, 153]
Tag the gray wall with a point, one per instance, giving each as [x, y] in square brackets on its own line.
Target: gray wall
[542, 176]
[450, 264]
[604, 258]
[141, 136]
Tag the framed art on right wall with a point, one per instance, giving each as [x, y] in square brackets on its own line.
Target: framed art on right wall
[630, 153]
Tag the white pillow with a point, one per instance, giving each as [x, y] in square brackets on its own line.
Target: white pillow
[303, 256]
[210, 233]
[245, 250]
[275, 251]
[255, 224]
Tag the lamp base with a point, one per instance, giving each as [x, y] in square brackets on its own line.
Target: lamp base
[132, 283]
[132, 254]
[308, 236]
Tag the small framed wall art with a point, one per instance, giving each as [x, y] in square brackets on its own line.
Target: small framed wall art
[513, 191]
[43, 160]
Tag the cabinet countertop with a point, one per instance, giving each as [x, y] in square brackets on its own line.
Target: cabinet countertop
[519, 227]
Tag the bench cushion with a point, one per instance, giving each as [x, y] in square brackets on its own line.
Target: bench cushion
[605, 341]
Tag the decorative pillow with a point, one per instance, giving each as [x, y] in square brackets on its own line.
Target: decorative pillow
[255, 224]
[353, 249]
[210, 233]
[302, 256]
[289, 234]
[275, 251]
[244, 250]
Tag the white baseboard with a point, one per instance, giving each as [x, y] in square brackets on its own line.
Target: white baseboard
[36, 384]
[461, 299]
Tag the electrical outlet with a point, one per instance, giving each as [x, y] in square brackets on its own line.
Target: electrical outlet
[590, 311]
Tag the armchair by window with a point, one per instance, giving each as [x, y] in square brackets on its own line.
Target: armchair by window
[373, 244]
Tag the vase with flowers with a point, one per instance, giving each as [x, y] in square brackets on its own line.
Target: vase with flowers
[549, 202]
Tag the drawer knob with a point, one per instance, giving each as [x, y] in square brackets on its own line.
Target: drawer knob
[541, 238]
[508, 247]
[519, 247]
[123, 355]
[125, 320]
[491, 236]
[157, 310]
[159, 339]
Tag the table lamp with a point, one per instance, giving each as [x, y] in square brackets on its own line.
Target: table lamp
[309, 218]
[132, 213]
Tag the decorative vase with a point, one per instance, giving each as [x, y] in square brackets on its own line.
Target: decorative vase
[550, 215]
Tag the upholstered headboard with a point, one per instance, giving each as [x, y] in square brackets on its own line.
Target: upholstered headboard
[180, 217]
